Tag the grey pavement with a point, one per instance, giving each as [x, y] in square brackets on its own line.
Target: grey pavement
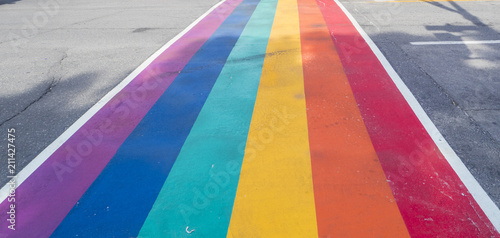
[58, 58]
[58, 61]
[457, 85]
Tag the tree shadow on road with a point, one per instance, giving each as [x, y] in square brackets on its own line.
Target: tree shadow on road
[54, 107]
[2, 2]
[456, 84]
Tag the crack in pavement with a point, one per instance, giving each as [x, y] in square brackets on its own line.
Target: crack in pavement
[53, 83]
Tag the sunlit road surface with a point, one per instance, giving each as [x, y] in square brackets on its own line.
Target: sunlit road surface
[282, 118]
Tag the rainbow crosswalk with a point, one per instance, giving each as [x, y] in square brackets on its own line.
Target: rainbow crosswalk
[268, 118]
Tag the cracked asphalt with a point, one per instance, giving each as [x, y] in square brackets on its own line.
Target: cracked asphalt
[58, 58]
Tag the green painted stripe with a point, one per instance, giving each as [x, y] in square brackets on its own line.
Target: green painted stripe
[198, 195]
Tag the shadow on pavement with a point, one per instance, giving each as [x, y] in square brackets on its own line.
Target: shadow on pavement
[47, 111]
[2, 2]
[457, 85]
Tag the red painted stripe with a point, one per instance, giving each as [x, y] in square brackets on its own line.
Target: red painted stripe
[352, 196]
[432, 199]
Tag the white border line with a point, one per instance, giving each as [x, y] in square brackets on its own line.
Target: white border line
[47, 152]
[481, 197]
[483, 42]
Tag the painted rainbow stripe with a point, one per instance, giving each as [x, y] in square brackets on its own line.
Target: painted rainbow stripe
[268, 118]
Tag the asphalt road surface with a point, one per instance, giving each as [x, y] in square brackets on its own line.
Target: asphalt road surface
[58, 58]
[61, 57]
[458, 85]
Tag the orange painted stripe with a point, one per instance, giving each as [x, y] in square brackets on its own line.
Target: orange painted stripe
[353, 198]
[431, 196]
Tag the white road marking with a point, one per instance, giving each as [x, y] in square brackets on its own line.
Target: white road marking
[484, 201]
[47, 152]
[483, 42]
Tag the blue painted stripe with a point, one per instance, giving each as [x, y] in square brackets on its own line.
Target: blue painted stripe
[198, 195]
[119, 200]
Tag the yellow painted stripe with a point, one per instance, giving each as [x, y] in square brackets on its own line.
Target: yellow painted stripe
[275, 193]
[424, 1]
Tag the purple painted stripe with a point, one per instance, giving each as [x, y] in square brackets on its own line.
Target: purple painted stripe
[46, 197]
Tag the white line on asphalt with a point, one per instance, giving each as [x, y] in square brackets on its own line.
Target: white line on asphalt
[487, 205]
[47, 152]
[481, 42]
